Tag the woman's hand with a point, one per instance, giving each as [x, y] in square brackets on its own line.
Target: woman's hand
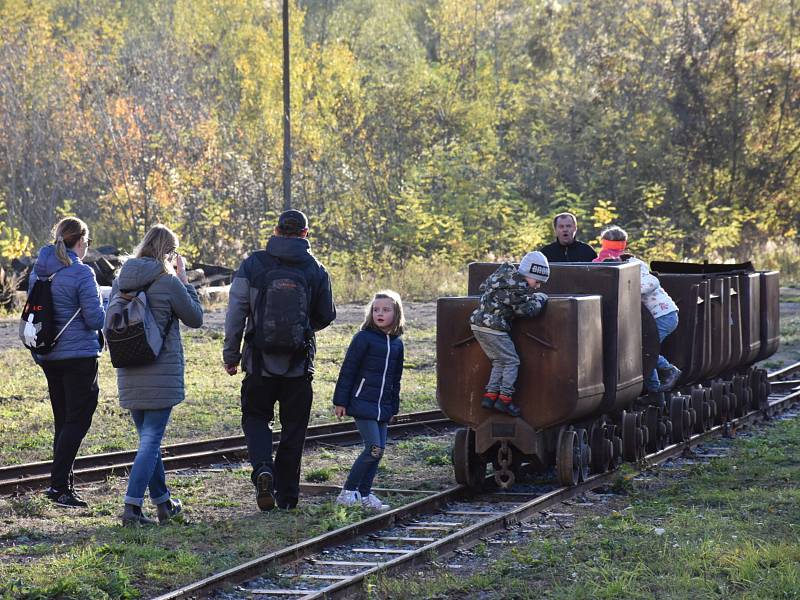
[180, 269]
[340, 411]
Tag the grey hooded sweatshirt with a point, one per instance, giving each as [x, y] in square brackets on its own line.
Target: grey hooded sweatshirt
[159, 384]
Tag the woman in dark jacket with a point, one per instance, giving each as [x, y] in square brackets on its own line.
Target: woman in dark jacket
[150, 391]
[71, 367]
[368, 389]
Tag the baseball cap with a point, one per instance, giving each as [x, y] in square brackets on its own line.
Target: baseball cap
[292, 221]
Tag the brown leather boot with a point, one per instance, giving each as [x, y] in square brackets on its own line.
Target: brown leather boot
[171, 509]
[134, 517]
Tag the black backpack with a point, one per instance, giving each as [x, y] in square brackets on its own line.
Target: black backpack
[280, 318]
[131, 331]
[37, 325]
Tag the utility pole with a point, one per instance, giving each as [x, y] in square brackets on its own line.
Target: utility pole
[287, 121]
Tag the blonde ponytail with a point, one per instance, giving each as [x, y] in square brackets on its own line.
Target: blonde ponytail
[67, 232]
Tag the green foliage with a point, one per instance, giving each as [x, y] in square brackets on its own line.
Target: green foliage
[320, 475]
[439, 130]
[29, 506]
[87, 573]
[12, 242]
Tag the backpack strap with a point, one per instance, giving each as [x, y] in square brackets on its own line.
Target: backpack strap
[72, 318]
[263, 257]
[56, 272]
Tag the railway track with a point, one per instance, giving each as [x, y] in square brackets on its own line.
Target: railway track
[338, 563]
[780, 374]
[203, 453]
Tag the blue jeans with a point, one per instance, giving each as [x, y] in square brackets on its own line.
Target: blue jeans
[666, 324]
[148, 469]
[365, 467]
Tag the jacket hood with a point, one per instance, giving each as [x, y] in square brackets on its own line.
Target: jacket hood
[506, 276]
[137, 273]
[290, 249]
[48, 263]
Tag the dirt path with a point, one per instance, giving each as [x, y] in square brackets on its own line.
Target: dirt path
[418, 314]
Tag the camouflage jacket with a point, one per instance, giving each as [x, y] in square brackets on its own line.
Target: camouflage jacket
[505, 295]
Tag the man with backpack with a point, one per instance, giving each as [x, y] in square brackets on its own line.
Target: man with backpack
[278, 299]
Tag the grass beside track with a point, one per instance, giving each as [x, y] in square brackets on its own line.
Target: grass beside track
[211, 408]
[727, 529]
[48, 552]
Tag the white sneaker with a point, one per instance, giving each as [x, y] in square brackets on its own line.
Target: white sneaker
[372, 502]
[348, 497]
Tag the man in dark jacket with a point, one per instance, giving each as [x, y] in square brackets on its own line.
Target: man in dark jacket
[567, 248]
[274, 372]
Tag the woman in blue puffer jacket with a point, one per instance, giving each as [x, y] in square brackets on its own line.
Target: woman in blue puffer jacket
[368, 390]
[71, 367]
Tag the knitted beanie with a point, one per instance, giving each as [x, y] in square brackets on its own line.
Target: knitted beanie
[535, 265]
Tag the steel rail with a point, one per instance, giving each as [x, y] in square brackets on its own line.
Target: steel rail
[97, 467]
[528, 509]
[784, 383]
[775, 375]
[306, 548]
[344, 586]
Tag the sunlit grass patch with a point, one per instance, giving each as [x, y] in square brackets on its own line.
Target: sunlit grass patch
[87, 573]
[222, 526]
[212, 405]
[433, 452]
[320, 475]
[28, 506]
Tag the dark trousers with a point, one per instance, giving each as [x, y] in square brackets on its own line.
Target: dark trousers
[259, 395]
[73, 388]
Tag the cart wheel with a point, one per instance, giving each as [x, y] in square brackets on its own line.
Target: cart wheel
[602, 448]
[629, 437]
[469, 467]
[679, 432]
[586, 453]
[652, 417]
[568, 458]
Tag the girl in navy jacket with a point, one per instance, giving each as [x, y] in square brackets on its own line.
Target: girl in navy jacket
[368, 390]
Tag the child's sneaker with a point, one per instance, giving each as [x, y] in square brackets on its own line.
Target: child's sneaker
[504, 404]
[372, 502]
[489, 398]
[348, 497]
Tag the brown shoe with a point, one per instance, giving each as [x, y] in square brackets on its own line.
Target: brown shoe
[265, 498]
[169, 510]
[134, 517]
